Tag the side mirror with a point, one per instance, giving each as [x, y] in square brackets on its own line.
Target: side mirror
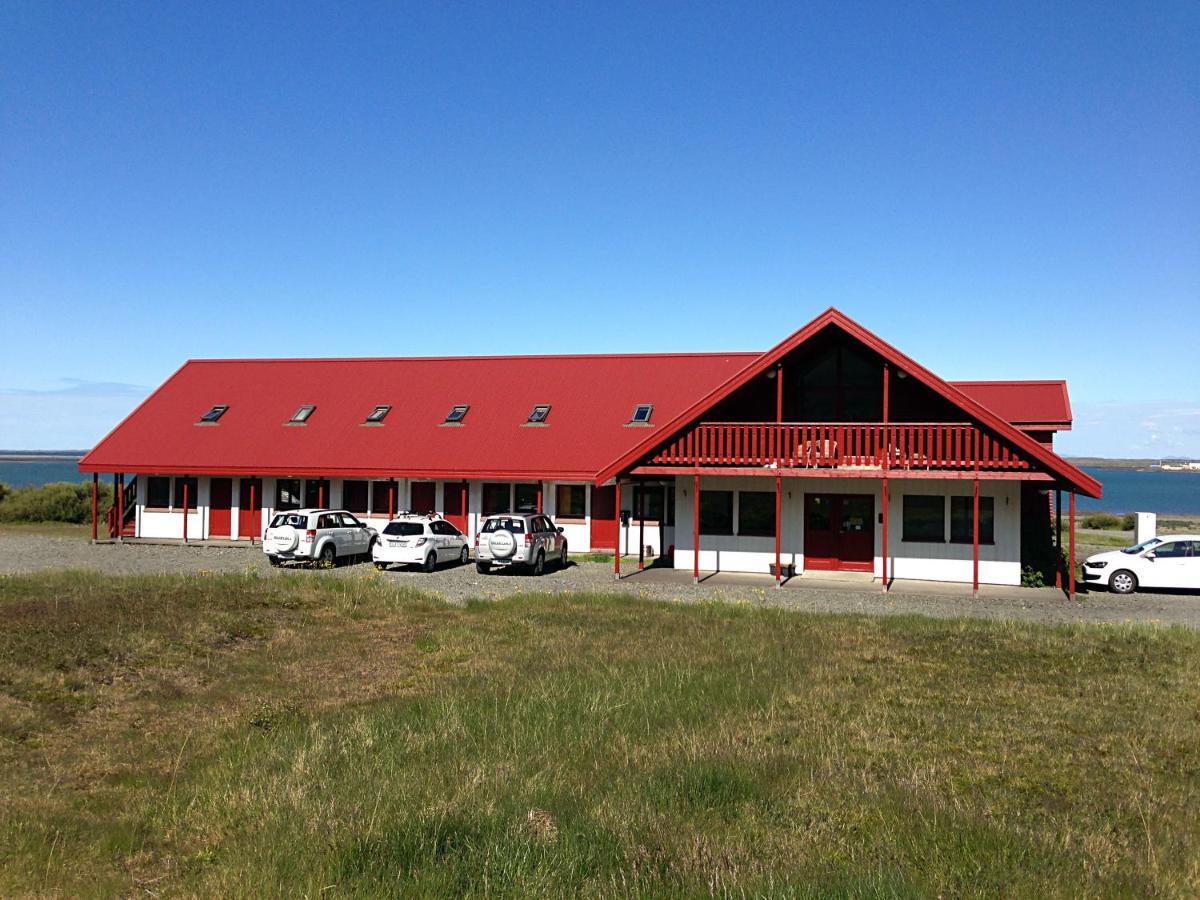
[1150, 554]
[559, 529]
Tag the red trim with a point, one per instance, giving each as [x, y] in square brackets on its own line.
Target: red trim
[764, 471]
[696, 529]
[617, 551]
[95, 505]
[1071, 562]
[1064, 470]
[185, 508]
[886, 502]
[975, 543]
[778, 526]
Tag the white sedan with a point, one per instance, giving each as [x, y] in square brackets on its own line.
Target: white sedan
[1162, 562]
[420, 540]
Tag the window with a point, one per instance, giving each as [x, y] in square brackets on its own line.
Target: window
[539, 414]
[158, 492]
[348, 521]
[287, 493]
[316, 493]
[457, 414]
[641, 414]
[756, 513]
[214, 414]
[716, 512]
[382, 497]
[191, 492]
[527, 498]
[961, 510]
[379, 413]
[924, 518]
[328, 520]
[300, 416]
[404, 529]
[1170, 549]
[516, 526]
[445, 528]
[496, 499]
[570, 501]
[292, 519]
[354, 496]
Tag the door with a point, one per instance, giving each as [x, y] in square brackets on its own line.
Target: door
[1173, 565]
[220, 507]
[424, 497]
[249, 520]
[604, 518]
[456, 505]
[839, 532]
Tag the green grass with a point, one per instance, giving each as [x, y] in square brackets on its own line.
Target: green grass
[307, 736]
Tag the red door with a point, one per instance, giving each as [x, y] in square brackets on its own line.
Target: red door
[604, 518]
[456, 505]
[249, 519]
[424, 497]
[220, 506]
[839, 532]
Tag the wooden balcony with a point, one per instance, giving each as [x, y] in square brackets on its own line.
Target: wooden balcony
[933, 446]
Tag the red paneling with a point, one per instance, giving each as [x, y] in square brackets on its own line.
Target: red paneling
[604, 518]
[248, 521]
[456, 503]
[220, 507]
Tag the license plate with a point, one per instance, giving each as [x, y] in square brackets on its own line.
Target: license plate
[398, 543]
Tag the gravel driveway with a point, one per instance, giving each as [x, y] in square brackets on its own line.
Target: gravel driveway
[24, 553]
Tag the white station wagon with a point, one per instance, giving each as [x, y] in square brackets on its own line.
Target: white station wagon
[420, 540]
[1162, 562]
[316, 535]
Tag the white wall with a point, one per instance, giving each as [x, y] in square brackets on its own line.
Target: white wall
[999, 563]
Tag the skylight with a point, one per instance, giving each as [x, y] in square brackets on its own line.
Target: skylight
[379, 413]
[214, 414]
[641, 413]
[539, 413]
[300, 416]
[457, 414]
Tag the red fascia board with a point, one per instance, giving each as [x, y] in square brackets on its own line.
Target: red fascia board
[151, 468]
[1079, 479]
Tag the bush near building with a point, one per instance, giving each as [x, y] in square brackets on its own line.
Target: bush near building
[59, 502]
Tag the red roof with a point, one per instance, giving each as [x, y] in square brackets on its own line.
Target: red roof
[1027, 404]
[586, 437]
[591, 400]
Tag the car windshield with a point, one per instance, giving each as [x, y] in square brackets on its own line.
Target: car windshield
[516, 526]
[1142, 547]
[404, 529]
[292, 519]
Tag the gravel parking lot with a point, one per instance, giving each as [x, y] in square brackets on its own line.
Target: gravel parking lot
[22, 552]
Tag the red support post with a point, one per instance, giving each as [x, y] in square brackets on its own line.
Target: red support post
[1058, 539]
[617, 549]
[778, 527]
[975, 542]
[121, 507]
[885, 533]
[641, 505]
[1071, 561]
[321, 492]
[696, 530]
[391, 498]
[185, 508]
[539, 497]
[253, 525]
[778, 393]
[95, 505]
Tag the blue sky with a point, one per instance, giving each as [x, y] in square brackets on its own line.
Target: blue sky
[1001, 192]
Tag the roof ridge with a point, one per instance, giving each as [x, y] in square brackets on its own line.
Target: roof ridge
[521, 356]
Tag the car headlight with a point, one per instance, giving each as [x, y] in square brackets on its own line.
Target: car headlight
[1096, 565]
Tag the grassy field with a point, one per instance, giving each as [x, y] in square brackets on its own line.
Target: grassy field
[311, 736]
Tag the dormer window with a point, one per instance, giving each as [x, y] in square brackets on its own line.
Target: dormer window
[300, 416]
[214, 414]
[378, 414]
[457, 414]
[538, 416]
[641, 414]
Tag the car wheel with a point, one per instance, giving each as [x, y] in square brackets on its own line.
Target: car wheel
[562, 557]
[275, 561]
[483, 568]
[381, 566]
[539, 564]
[464, 557]
[430, 562]
[328, 557]
[1123, 582]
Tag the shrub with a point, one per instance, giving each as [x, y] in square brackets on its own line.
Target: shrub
[1031, 577]
[59, 502]
[1103, 521]
[5, 490]
[1129, 521]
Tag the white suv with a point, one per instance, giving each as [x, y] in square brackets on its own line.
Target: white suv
[316, 535]
[410, 539]
[523, 539]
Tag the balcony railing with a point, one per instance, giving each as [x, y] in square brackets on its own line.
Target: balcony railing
[868, 445]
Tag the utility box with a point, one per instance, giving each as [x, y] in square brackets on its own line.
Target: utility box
[1145, 528]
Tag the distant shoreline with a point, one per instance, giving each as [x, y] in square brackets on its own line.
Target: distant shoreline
[42, 455]
[1137, 465]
